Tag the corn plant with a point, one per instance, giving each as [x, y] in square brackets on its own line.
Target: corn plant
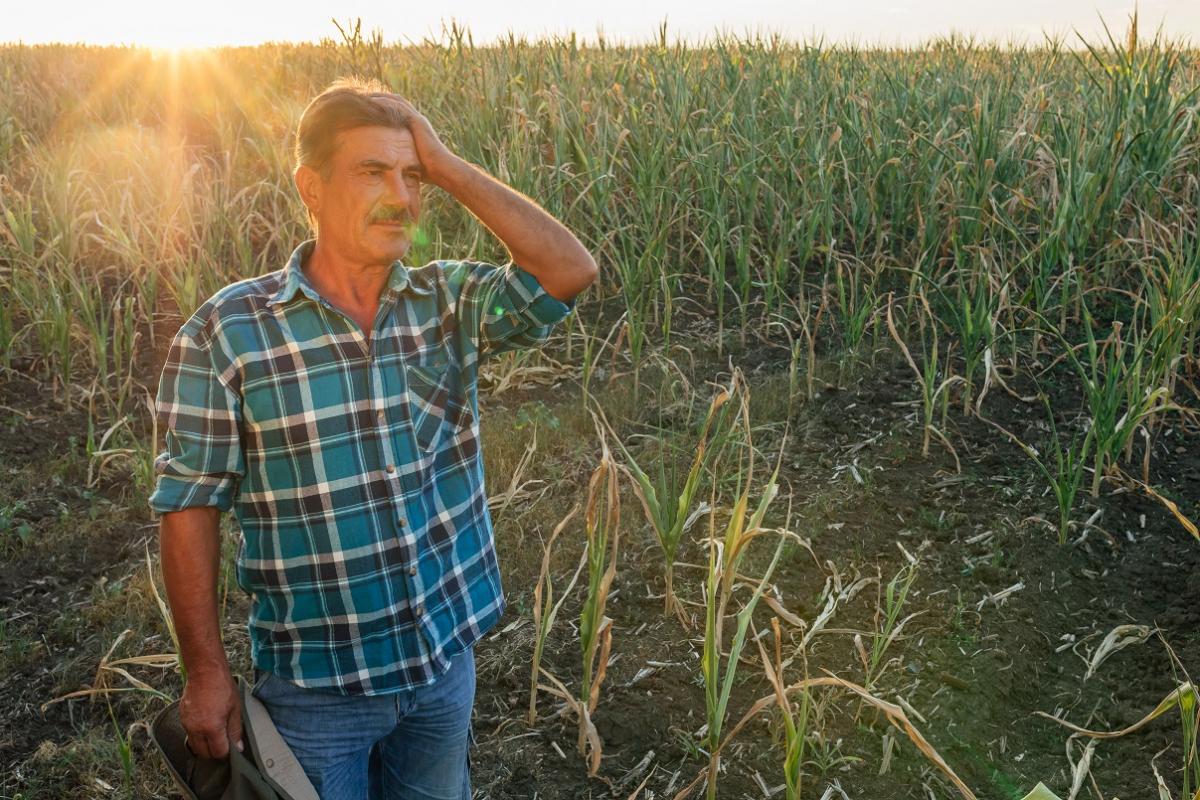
[1184, 697]
[1065, 473]
[602, 524]
[144, 474]
[894, 714]
[795, 725]
[1120, 390]
[971, 308]
[108, 666]
[1170, 292]
[857, 301]
[667, 498]
[7, 338]
[592, 352]
[1189, 720]
[934, 387]
[543, 620]
[887, 622]
[602, 542]
[725, 555]
[718, 677]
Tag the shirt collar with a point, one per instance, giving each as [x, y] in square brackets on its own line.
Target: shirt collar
[295, 280]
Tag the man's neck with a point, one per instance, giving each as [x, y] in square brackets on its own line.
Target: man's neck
[345, 282]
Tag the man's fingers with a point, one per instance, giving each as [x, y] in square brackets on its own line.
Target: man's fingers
[211, 714]
[210, 745]
[234, 726]
[399, 101]
[414, 116]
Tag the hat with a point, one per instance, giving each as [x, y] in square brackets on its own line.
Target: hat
[267, 770]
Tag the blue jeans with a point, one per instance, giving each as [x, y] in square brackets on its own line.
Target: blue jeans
[412, 745]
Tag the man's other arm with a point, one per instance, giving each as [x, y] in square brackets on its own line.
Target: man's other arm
[198, 476]
[190, 546]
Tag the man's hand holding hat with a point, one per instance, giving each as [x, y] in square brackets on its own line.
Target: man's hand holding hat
[211, 713]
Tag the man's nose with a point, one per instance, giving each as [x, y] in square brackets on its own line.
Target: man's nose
[398, 191]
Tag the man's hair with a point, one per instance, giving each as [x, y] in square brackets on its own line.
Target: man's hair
[346, 103]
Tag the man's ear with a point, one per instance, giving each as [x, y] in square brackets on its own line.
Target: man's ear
[308, 184]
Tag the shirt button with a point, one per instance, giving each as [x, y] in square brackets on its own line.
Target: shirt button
[420, 609]
[402, 522]
[391, 467]
[412, 570]
[379, 416]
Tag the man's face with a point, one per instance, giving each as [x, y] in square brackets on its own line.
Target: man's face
[367, 210]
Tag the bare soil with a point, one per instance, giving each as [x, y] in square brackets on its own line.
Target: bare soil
[860, 490]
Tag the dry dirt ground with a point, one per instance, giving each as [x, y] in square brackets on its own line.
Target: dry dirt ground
[973, 664]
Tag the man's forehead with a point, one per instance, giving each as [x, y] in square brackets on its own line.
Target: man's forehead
[376, 143]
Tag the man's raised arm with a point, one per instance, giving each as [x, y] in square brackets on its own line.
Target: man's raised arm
[539, 243]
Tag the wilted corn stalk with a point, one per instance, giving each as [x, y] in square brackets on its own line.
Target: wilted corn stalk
[108, 666]
[543, 621]
[894, 713]
[602, 524]
[592, 351]
[928, 375]
[1189, 712]
[887, 621]
[718, 682]
[666, 501]
[795, 727]
[1171, 292]
[856, 299]
[1189, 718]
[724, 557]
[1184, 695]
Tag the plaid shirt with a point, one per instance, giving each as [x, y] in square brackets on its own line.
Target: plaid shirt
[353, 467]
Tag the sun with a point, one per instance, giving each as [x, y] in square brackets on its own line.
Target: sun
[180, 52]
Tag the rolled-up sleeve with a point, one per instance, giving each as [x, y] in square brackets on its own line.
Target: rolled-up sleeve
[505, 306]
[200, 417]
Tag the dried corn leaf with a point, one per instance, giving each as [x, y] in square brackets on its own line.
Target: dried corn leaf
[1081, 769]
[1119, 637]
[1185, 689]
[894, 714]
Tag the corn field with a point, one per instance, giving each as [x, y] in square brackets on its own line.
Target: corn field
[1023, 205]
[1003, 221]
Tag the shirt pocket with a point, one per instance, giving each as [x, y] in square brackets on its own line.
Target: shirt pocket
[263, 419]
[435, 401]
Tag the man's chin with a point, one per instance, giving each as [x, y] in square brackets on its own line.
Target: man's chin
[395, 244]
[397, 253]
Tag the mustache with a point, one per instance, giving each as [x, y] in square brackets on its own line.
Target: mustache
[389, 214]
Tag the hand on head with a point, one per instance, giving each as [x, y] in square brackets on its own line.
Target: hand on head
[432, 152]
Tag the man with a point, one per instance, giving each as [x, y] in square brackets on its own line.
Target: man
[332, 404]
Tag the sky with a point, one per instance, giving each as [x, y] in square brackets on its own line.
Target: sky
[170, 24]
